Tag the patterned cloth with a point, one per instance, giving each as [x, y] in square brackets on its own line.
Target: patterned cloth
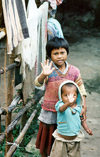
[54, 29]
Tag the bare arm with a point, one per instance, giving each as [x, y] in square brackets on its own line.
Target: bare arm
[84, 109]
[64, 107]
[86, 128]
[80, 83]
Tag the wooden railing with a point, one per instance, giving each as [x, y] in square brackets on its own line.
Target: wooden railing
[8, 110]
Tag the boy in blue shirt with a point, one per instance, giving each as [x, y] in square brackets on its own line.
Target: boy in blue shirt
[68, 134]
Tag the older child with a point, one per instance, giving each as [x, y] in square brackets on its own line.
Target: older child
[68, 134]
[55, 70]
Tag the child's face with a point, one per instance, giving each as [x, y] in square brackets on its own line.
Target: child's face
[59, 56]
[69, 94]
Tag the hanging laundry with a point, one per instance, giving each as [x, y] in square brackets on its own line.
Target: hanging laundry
[29, 46]
[15, 22]
[42, 35]
[53, 3]
[54, 29]
[32, 49]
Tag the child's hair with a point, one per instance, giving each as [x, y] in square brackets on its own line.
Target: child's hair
[69, 85]
[56, 43]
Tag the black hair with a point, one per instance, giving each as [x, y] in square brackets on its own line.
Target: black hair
[56, 43]
[69, 85]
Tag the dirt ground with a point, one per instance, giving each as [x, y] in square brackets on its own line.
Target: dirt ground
[85, 54]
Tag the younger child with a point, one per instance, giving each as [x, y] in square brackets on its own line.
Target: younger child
[68, 134]
[55, 70]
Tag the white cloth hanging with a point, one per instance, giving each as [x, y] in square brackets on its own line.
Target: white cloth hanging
[33, 49]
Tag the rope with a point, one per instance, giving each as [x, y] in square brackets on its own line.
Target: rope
[15, 144]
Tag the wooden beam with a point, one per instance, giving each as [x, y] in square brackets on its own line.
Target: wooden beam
[11, 107]
[9, 67]
[10, 90]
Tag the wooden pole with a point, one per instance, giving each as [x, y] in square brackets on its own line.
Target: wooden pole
[20, 137]
[0, 123]
[10, 87]
[11, 107]
[9, 67]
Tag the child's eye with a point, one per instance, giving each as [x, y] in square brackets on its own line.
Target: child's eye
[62, 52]
[55, 53]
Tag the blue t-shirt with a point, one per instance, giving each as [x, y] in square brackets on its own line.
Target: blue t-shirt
[68, 122]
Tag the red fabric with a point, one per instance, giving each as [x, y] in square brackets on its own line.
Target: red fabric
[45, 139]
[54, 80]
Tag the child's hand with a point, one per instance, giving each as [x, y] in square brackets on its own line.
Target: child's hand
[71, 98]
[89, 131]
[47, 67]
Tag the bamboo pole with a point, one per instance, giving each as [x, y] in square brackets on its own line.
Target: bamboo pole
[0, 123]
[12, 105]
[10, 88]
[9, 67]
[20, 137]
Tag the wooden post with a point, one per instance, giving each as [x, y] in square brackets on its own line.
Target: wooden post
[9, 137]
[0, 123]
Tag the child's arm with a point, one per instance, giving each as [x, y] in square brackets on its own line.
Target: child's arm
[64, 107]
[86, 128]
[84, 108]
[80, 83]
[46, 71]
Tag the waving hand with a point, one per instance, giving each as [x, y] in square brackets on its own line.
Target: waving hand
[47, 68]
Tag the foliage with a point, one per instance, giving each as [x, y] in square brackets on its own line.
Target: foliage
[20, 152]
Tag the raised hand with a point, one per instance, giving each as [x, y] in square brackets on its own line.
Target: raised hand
[47, 68]
[71, 98]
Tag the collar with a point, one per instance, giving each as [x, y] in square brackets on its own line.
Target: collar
[66, 68]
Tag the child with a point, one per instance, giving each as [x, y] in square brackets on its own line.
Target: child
[68, 134]
[55, 70]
